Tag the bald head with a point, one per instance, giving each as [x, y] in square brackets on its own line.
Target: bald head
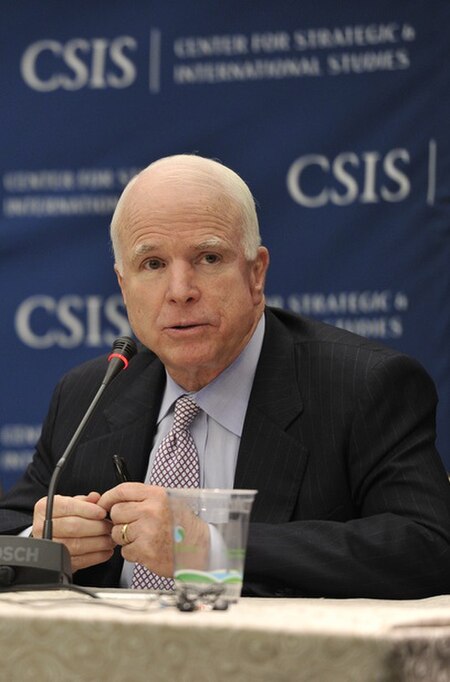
[192, 176]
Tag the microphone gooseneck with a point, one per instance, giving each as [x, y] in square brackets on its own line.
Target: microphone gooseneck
[123, 350]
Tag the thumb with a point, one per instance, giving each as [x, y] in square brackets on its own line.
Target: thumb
[92, 497]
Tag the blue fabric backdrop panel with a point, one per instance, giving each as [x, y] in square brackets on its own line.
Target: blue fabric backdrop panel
[336, 114]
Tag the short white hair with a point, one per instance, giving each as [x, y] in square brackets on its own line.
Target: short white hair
[236, 189]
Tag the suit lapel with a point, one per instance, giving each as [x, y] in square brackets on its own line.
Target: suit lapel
[137, 392]
[131, 415]
[272, 458]
[126, 422]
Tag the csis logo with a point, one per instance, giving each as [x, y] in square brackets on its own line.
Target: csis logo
[314, 180]
[96, 63]
[42, 321]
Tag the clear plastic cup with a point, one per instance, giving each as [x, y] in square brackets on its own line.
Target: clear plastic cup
[210, 528]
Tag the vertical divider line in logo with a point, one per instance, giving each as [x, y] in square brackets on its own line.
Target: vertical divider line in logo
[432, 158]
[154, 66]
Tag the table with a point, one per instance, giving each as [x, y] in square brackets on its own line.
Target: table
[68, 637]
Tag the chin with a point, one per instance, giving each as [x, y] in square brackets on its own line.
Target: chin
[184, 359]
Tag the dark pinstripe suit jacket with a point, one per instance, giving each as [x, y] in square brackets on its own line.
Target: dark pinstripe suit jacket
[338, 439]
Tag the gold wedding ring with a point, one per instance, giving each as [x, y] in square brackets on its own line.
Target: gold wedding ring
[125, 538]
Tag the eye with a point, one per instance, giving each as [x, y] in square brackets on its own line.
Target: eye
[211, 258]
[153, 264]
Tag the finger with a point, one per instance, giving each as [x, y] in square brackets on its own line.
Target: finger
[64, 506]
[156, 554]
[131, 553]
[87, 560]
[92, 497]
[79, 546]
[127, 492]
[74, 506]
[77, 527]
[126, 512]
[40, 508]
[123, 534]
[126, 534]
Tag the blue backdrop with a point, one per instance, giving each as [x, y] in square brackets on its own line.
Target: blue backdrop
[336, 114]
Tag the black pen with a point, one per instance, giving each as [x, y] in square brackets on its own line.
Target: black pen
[120, 468]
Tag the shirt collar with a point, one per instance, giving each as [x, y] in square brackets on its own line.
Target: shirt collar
[225, 399]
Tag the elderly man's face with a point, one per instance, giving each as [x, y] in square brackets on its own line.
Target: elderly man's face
[191, 295]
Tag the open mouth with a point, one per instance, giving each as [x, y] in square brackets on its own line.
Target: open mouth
[181, 327]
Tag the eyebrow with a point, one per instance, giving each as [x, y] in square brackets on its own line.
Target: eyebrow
[149, 247]
[143, 250]
[211, 243]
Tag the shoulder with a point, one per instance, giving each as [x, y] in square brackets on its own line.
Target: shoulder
[80, 384]
[331, 349]
[306, 332]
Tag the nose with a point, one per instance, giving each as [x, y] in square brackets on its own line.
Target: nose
[182, 286]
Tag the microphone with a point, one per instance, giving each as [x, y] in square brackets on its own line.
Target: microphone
[123, 350]
[31, 561]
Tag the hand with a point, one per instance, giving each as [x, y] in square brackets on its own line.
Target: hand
[80, 524]
[149, 536]
[145, 510]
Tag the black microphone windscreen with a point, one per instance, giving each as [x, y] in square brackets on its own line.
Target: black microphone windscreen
[124, 346]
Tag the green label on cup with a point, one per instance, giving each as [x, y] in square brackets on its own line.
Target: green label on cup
[236, 553]
[219, 576]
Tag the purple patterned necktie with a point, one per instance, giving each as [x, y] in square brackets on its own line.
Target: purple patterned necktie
[176, 465]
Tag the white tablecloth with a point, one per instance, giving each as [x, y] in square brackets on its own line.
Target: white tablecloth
[67, 637]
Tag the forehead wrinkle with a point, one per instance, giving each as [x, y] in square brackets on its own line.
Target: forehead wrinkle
[215, 209]
[199, 193]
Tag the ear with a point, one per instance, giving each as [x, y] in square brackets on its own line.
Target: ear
[120, 281]
[258, 274]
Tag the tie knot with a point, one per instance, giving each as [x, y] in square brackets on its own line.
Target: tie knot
[185, 412]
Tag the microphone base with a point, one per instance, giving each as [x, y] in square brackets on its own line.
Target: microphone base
[33, 561]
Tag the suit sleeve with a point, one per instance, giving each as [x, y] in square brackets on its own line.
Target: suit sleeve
[17, 505]
[395, 543]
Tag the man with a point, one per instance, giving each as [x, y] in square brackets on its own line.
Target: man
[336, 433]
